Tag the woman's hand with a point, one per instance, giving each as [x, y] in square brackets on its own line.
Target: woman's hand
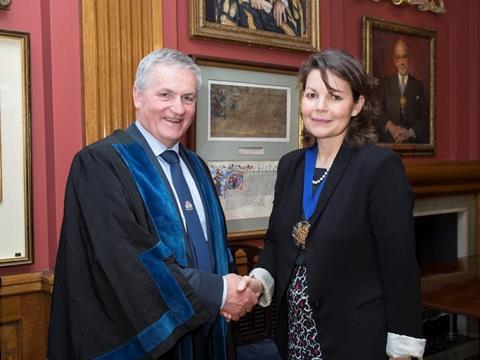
[248, 282]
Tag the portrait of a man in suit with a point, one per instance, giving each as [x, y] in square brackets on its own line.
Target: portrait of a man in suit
[403, 103]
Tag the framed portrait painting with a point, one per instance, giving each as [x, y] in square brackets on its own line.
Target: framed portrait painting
[402, 58]
[247, 118]
[15, 149]
[285, 24]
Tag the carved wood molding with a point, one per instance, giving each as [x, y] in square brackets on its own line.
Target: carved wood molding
[26, 283]
[442, 178]
[116, 35]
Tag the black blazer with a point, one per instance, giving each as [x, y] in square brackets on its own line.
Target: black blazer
[362, 273]
[416, 109]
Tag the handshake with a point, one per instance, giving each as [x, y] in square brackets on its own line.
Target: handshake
[242, 296]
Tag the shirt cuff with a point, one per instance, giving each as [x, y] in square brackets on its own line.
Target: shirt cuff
[268, 285]
[224, 292]
[403, 346]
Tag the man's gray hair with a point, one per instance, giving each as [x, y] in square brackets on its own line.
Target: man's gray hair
[164, 57]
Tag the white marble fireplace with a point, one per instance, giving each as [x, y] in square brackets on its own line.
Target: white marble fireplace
[462, 205]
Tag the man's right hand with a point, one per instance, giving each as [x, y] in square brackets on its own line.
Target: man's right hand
[238, 302]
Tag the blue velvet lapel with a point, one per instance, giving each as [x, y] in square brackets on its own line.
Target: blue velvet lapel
[138, 137]
[158, 201]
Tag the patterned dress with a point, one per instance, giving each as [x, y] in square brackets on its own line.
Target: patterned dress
[303, 340]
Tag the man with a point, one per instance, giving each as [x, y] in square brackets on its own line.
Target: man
[404, 109]
[142, 263]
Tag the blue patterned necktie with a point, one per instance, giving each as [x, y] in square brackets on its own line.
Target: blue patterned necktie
[194, 227]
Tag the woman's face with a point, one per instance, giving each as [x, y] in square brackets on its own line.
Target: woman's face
[325, 115]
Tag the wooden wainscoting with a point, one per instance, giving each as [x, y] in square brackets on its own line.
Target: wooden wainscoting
[24, 313]
[444, 178]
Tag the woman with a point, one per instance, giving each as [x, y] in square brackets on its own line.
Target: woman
[339, 249]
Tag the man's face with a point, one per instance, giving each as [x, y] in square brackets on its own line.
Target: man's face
[166, 106]
[400, 58]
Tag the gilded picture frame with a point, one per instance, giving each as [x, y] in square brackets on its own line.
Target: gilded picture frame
[247, 118]
[15, 149]
[402, 58]
[283, 24]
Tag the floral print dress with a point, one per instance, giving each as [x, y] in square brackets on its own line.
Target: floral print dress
[303, 340]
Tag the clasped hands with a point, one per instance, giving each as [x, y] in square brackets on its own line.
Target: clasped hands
[242, 296]
[399, 133]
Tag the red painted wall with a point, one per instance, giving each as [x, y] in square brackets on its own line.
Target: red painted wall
[56, 83]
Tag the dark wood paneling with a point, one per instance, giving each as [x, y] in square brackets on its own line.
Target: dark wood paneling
[24, 313]
[10, 339]
[441, 178]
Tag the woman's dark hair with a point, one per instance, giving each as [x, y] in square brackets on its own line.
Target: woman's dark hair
[343, 65]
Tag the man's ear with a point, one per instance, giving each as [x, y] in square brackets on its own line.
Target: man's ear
[136, 97]
[358, 105]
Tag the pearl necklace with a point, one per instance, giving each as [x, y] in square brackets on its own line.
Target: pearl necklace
[316, 182]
